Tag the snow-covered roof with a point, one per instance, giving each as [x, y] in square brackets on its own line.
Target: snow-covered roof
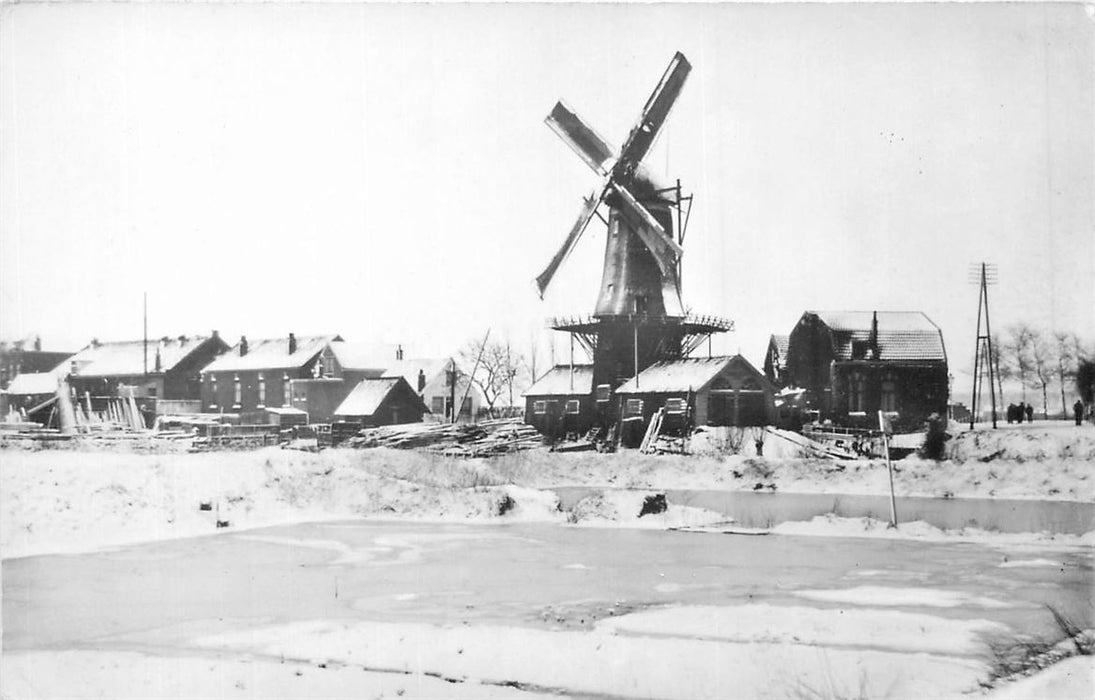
[781, 342]
[902, 335]
[408, 369]
[367, 396]
[128, 357]
[33, 383]
[271, 353]
[678, 375]
[557, 382]
[363, 356]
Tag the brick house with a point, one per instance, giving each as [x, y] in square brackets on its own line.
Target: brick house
[256, 374]
[853, 364]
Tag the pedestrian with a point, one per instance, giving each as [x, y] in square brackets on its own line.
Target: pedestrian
[1011, 413]
[1030, 413]
[1019, 413]
[1078, 411]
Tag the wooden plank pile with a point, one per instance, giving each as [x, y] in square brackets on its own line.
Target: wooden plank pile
[482, 439]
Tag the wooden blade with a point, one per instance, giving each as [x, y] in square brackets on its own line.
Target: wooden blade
[655, 112]
[589, 207]
[664, 249]
[581, 137]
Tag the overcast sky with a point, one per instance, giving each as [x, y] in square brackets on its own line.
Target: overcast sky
[383, 172]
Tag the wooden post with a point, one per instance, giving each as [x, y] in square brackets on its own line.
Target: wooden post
[886, 428]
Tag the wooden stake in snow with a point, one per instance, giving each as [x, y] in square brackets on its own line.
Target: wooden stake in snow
[887, 429]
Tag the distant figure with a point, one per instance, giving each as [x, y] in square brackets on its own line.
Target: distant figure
[1019, 411]
[1011, 413]
[1078, 411]
[1030, 413]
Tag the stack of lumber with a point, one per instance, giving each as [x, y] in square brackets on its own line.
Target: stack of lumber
[461, 440]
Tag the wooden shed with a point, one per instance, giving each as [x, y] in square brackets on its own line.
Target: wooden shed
[381, 401]
[561, 402]
[724, 390]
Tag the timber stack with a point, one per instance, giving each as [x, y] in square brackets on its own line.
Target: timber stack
[458, 440]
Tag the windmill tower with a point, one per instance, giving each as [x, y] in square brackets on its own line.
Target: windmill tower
[639, 317]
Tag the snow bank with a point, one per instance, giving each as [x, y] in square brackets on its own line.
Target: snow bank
[904, 597]
[1035, 442]
[779, 624]
[124, 675]
[1071, 679]
[68, 501]
[832, 526]
[623, 508]
[604, 662]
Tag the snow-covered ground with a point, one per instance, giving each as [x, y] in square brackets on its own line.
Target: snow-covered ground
[871, 645]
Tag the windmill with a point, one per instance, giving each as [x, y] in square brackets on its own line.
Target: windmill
[639, 317]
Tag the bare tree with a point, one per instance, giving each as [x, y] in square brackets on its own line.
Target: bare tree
[1041, 357]
[498, 369]
[1066, 346]
[1017, 353]
[1000, 366]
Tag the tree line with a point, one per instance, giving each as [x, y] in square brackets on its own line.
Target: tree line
[1038, 359]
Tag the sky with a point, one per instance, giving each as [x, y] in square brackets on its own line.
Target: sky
[384, 172]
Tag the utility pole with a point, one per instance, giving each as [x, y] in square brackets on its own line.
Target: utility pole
[146, 334]
[983, 275]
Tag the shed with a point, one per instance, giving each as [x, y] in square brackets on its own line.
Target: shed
[562, 401]
[381, 401]
[724, 390]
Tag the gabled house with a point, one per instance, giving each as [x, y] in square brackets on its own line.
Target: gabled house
[723, 390]
[381, 401]
[165, 369]
[853, 364]
[775, 359]
[431, 378]
[256, 374]
[348, 365]
[562, 401]
[26, 356]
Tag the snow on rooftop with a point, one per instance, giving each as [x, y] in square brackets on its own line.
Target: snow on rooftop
[130, 357]
[557, 381]
[33, 383]
[902, 335]
[677, 375]
[408, 369]
[366, 397]
[271, 353]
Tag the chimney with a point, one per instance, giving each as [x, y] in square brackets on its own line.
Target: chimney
[399, 352]
[421, 381]
[216, 335]
[94, 342]
[73, 368]
[38, 343]
[292, 343]
[243, 345]
[872, 341]
[159, 361]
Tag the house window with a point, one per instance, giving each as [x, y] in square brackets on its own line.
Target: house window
[859, 349]
[151, 391]
[539, 407]
[285, 395]
[675, 406]
[437, 405]
[604, 392]
[262, 390]
[574, 406]
[317, 371]
[238, 390]
[889, 392]
[633, 407]
[857, 394]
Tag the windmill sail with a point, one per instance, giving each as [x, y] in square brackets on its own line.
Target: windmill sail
[656, 111]
[589, 206]
[581, 137]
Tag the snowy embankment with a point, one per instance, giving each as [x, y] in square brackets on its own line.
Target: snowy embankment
[72, 500]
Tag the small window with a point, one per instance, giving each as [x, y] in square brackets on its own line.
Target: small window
[889, 392]
[539, 407]
[859, 349]
[604, 392]
[574, 406]
[152, 391]
[437, 405]
[634, 407]
[675, 406]
[262, 389]
[238, 389]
